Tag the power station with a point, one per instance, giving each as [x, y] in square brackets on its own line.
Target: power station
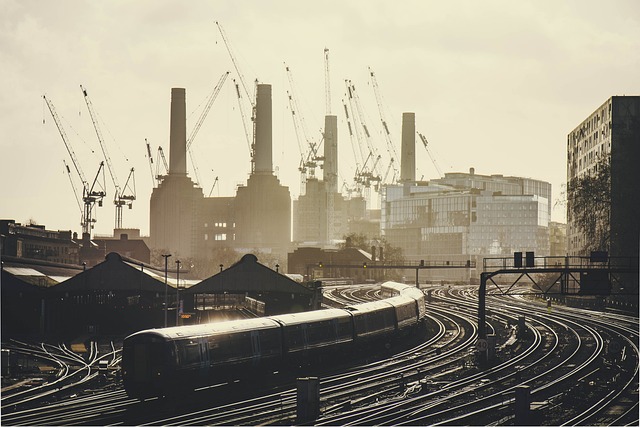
[186, 223]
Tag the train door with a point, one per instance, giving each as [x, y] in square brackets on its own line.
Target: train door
[335, 329]
[255, 348]
[204, 355]
[142, 368]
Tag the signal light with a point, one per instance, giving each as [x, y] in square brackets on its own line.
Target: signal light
[364, 265]
[529, 260]
[517, 259]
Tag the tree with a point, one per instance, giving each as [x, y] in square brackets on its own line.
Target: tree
[356, 240]
[270, 260]
[391, 254]
[589, 205]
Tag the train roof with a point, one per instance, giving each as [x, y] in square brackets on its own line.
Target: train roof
[400, 300]
[192, 331]
[396, 285]
[304, 317]
[369, 306]
[412, 292]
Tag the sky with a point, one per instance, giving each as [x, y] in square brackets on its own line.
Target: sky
[495, 85]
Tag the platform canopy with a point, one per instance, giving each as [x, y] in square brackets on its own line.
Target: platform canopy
[113, 274]
[248, 275]
[37, 272]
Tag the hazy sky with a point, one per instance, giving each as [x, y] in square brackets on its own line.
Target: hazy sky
[495, 85]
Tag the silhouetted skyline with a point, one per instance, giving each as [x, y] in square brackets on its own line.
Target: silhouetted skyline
[494, 85]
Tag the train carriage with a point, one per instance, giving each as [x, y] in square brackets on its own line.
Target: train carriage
[161, 361]
[170, 361]
[394, 289]
[406, 310]
[309, 336]
[372, 320]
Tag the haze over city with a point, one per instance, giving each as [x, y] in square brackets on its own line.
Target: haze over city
[495, 86]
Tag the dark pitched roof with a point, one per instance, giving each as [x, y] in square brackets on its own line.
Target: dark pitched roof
[113, 274]
[14, 284]
[248, 275]
[38, 272]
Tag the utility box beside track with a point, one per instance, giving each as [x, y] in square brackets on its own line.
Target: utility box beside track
[308, 399]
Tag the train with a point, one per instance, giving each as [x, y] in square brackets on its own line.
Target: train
[173, 361]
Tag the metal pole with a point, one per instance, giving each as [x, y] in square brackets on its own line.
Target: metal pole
[166, 292]
[482, 315]
[177, 291]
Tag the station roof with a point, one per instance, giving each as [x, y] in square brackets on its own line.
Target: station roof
[14, 284]
[115, 273]
[37, 272]
[248, 275]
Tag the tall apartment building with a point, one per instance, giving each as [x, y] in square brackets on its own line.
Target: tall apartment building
[612, 131]
[464, 217]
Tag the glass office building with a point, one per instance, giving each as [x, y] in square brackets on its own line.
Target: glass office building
[467, 217]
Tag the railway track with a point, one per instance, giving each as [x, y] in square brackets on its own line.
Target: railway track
[565, 359]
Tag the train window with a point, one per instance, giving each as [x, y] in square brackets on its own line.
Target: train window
[233, 346]
[188, 352]
[269, 342]
[296, 335]
[345, 328]
[318, 332]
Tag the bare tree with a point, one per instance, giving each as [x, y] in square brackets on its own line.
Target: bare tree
[362, 241]
[589, 203]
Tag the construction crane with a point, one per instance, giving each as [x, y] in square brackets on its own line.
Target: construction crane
[365, 176]
[357, 151]
[302, 167]
[387, 135]
[327, 83]
[91, 193]
[215, 181]
[309, 157]
[250, 97]
[386, 174]
[203, 115]
[433, 160]
[150, 157]
[160, 157]
[120, 197]
[75, 192]
[245, 127]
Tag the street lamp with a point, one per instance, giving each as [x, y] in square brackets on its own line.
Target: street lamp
[166, 305]
[177, 290]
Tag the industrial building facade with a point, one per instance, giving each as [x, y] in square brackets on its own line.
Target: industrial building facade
[186, 224]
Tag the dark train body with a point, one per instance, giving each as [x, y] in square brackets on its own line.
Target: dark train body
[171, 361]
